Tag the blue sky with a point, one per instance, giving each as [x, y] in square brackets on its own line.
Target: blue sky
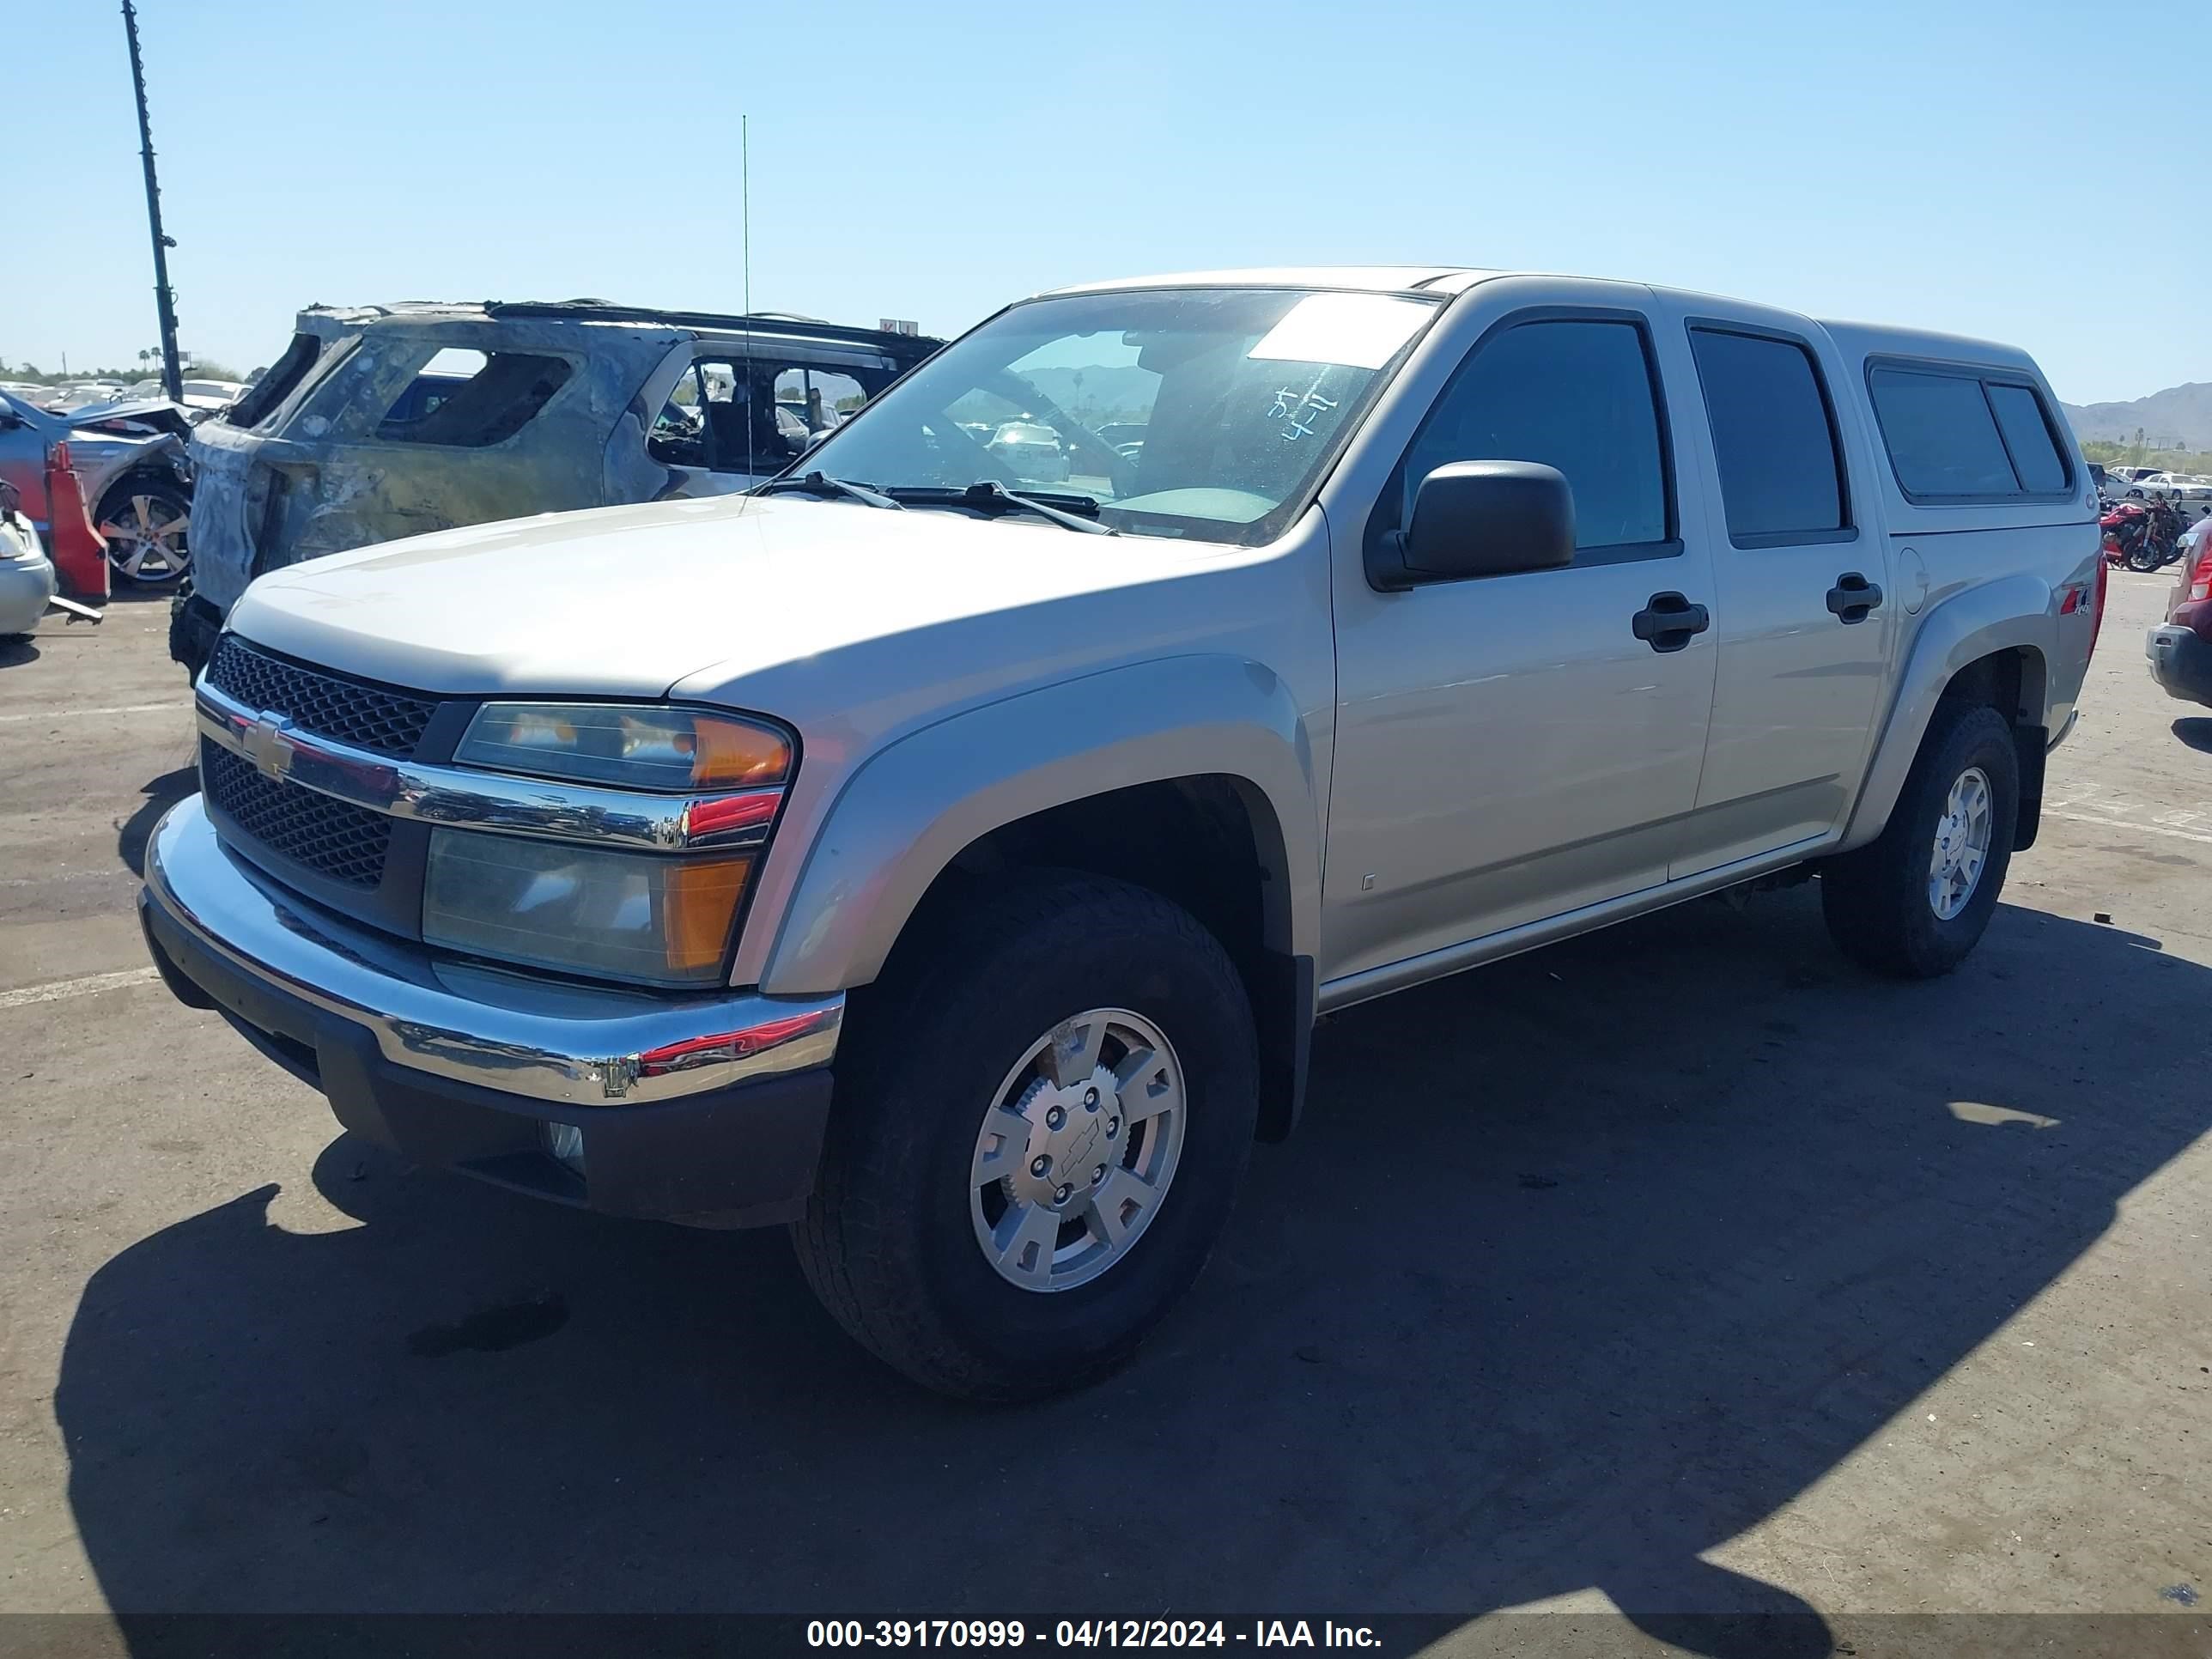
[1952, 163]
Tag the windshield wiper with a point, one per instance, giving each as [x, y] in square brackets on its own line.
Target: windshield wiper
[822, 487]
[988, 495]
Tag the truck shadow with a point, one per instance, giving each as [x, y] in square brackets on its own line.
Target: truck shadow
[1580, 1264]
[160, 794]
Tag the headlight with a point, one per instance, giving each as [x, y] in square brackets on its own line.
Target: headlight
[579, 909]
[628, 748]
[659, 917]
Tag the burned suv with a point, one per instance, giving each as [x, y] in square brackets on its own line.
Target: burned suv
[381, 422]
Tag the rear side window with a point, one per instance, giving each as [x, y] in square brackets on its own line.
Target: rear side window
[2027, 435]
[467, 400]
[1576, 395]
[278, 383]
[1782, 479]
[1941, 431]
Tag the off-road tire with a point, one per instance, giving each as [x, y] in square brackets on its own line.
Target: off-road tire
[887, 1241]
[1875, 899]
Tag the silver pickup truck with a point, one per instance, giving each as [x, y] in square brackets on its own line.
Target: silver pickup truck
[885, 854]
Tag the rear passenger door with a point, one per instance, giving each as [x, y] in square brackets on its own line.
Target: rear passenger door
[1804, 601]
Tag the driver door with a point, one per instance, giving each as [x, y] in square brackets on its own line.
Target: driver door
[1508, 749]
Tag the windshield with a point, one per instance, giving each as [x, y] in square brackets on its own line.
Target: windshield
[1208, 413]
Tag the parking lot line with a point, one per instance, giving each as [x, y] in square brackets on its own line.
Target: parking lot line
[2127, 823]
[61, 989]
[72, 714]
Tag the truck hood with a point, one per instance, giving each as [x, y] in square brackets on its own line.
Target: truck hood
[629, 601]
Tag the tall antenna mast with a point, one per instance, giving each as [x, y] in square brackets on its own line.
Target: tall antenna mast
[165, 298]
[746, 267]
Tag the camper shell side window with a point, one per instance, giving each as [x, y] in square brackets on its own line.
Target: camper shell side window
[1958, 434]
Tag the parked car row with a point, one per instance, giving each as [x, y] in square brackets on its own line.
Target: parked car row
[202, 396]
[2119, 482]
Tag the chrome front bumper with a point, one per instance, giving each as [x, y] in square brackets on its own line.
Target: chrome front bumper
[702, 1108]
[512, 1032]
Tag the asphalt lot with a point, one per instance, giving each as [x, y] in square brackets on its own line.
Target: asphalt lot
[1677, 1270]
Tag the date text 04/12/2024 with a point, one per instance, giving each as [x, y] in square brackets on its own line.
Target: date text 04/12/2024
[1086, 1633]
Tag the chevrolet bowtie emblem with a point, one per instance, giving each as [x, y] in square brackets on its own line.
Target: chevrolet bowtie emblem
[267, 745]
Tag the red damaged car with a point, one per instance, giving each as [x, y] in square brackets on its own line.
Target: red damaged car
[2180, 649]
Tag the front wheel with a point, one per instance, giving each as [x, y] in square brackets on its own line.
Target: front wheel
[1038, 1141]
[1913, 902]
[2145, 559]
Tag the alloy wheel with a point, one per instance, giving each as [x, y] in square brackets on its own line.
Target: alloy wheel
[146, 538]
[1962, 843]
[1077, 1150]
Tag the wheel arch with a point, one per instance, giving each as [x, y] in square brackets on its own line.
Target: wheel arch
[1992, 644]
[146, 470]
[1193, 776]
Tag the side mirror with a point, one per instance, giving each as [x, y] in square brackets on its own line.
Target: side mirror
[1478, 519]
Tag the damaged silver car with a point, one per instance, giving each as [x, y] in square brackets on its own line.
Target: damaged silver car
[389, 421]
[130, 459]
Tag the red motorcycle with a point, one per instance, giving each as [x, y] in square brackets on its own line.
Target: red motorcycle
[2141, 537]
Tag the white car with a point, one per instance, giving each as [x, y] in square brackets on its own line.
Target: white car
[1030, 452]
[26, 577]
[201, 398]
[2188, 487]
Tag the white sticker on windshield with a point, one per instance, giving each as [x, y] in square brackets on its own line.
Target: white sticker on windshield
[1359, 330]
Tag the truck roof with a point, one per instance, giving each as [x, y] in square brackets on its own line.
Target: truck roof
[1377, 279]
[1856, 337]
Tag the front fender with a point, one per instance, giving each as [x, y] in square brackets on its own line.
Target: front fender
[2006, 614]
[907, 810]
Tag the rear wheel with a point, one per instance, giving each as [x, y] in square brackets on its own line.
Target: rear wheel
[148, 524]
[1038, 1141]
[1912, 902]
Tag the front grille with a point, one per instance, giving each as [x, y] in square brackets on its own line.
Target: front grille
[326, 835]
[329, 705]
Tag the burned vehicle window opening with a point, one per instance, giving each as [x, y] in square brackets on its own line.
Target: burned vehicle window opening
[465, 399]
[727, 414]
[283, 378]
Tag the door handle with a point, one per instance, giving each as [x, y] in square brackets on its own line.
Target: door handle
[1853, 597]
[1670, 621]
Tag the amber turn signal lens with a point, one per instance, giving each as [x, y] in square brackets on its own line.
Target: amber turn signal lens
[725, 753]
[660, 747]
[700, 899]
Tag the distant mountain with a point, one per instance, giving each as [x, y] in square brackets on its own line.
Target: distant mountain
[2179, 417]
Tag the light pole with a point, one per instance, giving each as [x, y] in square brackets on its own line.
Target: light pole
[165, 298]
